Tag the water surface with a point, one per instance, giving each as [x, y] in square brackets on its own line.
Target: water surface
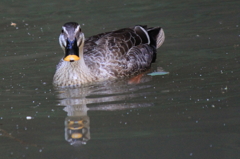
[191, 113]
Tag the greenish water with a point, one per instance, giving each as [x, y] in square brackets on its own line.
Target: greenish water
[191, 113]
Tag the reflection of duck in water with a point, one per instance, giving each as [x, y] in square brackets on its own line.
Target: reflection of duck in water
[77, 125]
[109, 55]
[102, 97]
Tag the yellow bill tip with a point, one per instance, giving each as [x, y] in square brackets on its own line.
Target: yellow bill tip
[71, 58]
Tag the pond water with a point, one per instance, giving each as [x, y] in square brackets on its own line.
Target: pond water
[191, 113]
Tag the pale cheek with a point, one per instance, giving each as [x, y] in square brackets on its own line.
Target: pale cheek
[78, 43]
[62, 41]
[62, 45]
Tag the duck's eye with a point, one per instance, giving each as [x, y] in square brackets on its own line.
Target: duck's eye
[62, 31]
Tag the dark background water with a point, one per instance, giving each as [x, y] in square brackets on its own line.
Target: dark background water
[191, 113]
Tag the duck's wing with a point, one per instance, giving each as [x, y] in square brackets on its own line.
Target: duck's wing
[90, 42]
[122, 52]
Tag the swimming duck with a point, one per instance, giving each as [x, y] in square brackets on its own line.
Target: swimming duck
[111, 55]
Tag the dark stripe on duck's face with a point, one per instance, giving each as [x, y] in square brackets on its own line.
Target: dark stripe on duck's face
[72, 51]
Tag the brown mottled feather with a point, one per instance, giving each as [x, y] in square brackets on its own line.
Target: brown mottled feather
[126, 48]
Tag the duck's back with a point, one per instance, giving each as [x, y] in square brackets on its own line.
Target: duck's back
[123, 52]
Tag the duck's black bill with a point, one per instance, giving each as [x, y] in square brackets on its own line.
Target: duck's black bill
[72, 51]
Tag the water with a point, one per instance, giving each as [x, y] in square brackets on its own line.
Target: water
[190, 113]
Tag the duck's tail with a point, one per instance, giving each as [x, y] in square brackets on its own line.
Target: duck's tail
[157, 36]
[160, 38]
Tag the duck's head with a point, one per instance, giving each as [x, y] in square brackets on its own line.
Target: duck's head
[71, 40]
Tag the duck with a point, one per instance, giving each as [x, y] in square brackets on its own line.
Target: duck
[111, 55]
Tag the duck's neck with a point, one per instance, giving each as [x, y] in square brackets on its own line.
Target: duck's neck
[73, 73]
[80, 70]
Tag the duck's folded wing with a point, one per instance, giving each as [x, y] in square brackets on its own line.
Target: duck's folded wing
[139, 58]
[118, 42]
[122, 52]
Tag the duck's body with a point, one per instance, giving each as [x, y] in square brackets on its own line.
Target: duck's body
[110, 55]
